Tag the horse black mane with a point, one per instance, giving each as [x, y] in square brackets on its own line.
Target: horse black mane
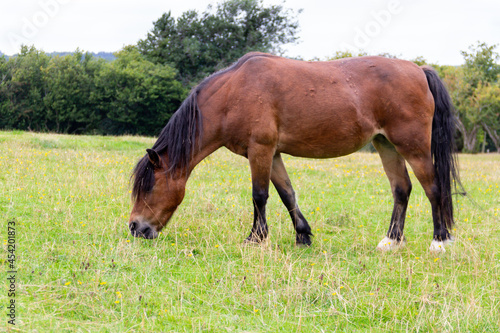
[180, 137]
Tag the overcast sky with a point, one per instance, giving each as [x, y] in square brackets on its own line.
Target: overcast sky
[437, 30]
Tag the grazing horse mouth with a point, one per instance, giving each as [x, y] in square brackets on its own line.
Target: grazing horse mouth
[142, 230]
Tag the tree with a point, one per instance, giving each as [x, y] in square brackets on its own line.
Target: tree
[199, 44]
[3, 62]
[5, 80]
[473, 85]
[23, 91]
[137, 96]
[69, 83]
[481, 114]
[79, 93]
[480, 64]
[345, 54]
[487, 98]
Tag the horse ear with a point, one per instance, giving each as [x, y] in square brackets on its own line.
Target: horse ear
[154, 158]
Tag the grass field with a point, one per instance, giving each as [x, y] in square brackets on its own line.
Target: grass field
[79, 269]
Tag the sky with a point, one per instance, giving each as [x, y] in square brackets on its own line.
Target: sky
[435, 29]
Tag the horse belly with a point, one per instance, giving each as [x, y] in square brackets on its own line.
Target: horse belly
[325, 133]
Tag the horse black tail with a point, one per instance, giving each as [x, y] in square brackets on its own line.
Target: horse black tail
[443, 145]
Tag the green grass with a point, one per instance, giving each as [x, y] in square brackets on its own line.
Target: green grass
[79, 269]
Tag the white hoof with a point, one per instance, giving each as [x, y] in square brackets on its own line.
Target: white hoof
[439, 246]
[388, 244]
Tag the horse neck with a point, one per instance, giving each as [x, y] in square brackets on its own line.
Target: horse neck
[205, 149]
[211, 109]
[208, 143]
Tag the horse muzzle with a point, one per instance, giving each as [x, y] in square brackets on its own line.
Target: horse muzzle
[143, 230]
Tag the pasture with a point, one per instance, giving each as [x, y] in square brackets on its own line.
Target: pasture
[80, 270]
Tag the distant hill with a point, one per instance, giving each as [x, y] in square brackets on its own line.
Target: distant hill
[104, 55]
[108, 56]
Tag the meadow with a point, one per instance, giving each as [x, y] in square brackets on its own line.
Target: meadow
[80, 270]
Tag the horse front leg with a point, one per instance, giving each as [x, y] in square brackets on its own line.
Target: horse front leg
[261, 159]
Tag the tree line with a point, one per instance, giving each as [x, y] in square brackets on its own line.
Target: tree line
[80, 93]
[475, 91]
[144, 85]
[138, 91]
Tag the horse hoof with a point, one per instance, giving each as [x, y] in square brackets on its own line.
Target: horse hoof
[252, 240]
[303, 240]
[388, 244]
[439, 246]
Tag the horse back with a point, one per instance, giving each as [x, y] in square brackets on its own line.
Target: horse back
[319, 109]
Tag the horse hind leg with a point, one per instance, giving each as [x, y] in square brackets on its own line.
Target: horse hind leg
[282, 183]
[423, 168]
[417, 152]
[395, 169]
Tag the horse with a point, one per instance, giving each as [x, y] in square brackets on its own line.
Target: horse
[264, 106]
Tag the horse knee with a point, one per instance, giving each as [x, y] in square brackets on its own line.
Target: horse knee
[402, 195]
[260, 197]
[433, 193]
